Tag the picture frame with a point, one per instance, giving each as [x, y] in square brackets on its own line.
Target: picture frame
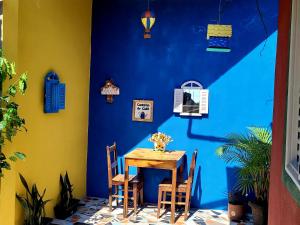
[142, 110]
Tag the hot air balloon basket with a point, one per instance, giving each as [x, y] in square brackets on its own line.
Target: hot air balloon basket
[147, 34]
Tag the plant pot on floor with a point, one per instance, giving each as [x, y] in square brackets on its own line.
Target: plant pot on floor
[236, 212]
[63, 213]
[236, 206]
[47, 220]
[260, 213]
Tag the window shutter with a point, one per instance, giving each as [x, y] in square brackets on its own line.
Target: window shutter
[62, 98]
[204, 101]
[178, 100]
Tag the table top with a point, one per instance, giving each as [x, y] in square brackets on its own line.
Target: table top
[149, 154]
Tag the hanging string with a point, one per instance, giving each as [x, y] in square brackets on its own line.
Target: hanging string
[220, 11]
[148, 5]
[264, 25]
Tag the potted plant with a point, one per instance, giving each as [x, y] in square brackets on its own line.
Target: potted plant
[10, 121]
[67, 205]
[33, 205]
[236, 206]
[252, 152]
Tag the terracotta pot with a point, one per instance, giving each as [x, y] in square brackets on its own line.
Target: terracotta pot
[236, 212]
[260, 214]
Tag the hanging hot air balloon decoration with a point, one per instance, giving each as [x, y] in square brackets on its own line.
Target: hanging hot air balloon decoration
[148, 20]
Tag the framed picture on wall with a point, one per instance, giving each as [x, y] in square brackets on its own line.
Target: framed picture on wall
[142, 110]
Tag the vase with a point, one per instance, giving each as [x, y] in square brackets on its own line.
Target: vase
[236, 212]
[260, 213]
[159, 146]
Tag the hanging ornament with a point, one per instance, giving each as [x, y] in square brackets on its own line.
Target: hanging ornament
[110, 90]
[148, 20]
[218, 35]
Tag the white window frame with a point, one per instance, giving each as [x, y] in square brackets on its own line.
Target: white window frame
[293, 105]
[195, 87]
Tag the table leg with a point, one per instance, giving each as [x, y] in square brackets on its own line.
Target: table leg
[180, 175]
[173, 197]
[141, 176]
[180, 180]
[125, 207]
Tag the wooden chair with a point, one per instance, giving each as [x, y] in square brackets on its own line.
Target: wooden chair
[183, 189]
[116, 180]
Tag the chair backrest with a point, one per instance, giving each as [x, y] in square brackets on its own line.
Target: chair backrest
[192, 169]
[112, 162]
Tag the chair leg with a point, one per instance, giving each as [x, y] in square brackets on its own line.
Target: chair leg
[187, 205]
[164, 199]
[117, 193]
[159, 202]
[110, 198]
[135, 198]
[142, 196]
[179, 197]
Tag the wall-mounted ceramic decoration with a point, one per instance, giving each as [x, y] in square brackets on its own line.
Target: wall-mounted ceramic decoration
[191, 99]
[110, 90]
[142, 110]
[54, 93]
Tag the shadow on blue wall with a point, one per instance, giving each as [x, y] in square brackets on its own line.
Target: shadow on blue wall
[240, 84]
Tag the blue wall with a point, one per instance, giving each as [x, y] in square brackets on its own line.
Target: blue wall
[240, 84]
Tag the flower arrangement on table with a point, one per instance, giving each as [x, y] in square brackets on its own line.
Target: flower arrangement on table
[160, 141]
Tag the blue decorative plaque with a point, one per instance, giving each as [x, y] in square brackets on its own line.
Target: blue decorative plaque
[54, 93]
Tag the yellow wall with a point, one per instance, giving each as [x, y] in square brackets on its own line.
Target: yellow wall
[43, 35]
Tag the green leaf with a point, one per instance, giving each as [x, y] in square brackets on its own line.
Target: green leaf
[6, 99]
[219, 151]
[20, 155]
[1, 61]
[23, 83]
[13, 158]
[3, 124]
[22, 86]
[24, 76]
[24, 182]
[13, 68]
[12, 90]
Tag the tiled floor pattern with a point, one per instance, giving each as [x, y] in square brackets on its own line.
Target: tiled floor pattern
[94, 211]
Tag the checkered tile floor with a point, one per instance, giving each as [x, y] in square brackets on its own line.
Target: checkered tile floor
[94, 211]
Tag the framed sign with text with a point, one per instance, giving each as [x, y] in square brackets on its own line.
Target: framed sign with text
[142, 110]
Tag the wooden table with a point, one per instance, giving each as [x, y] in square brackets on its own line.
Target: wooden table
[147, 158]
